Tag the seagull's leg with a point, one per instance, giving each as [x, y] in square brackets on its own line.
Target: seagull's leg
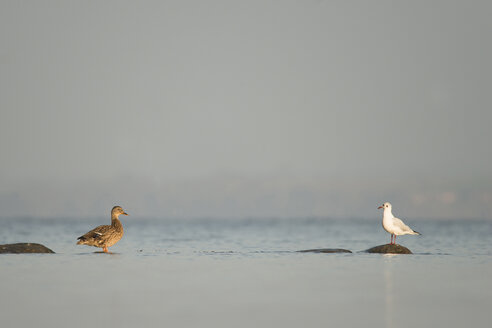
[391, 240]
[395, 240]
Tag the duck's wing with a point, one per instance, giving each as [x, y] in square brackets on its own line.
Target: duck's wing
[96, 233]
[403, 227]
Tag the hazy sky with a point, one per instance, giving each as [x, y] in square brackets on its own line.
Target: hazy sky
[246, 108]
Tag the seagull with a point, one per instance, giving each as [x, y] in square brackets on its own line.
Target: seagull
[393, 225]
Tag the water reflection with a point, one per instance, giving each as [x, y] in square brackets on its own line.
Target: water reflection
[389, 292]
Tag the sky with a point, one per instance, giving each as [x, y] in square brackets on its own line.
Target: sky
[245, 108]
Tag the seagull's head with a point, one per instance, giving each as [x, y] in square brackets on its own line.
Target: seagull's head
[117, 210]
[385, 205]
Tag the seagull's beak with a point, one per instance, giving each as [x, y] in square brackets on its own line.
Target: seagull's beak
[380, 207]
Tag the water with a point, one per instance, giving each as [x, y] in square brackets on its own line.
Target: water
[247, 273]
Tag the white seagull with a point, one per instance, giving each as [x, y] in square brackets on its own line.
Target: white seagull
[393, 225]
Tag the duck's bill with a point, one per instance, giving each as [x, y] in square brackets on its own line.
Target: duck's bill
[124, 213]
[380, 207]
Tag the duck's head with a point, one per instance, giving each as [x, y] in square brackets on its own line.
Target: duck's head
[385, 206]
[117, 211]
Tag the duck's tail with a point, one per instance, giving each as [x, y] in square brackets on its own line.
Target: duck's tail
[82, 240]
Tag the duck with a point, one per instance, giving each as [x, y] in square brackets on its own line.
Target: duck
[105, 236]
[393, 225]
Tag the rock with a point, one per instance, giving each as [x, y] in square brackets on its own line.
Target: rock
[326, 250]
[20, 248]
[389, 249]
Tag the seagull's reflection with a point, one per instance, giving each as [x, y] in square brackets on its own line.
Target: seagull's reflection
[388, 284]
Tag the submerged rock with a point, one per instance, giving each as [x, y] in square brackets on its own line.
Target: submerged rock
[20, 248]
[326, 250]
[389, 249]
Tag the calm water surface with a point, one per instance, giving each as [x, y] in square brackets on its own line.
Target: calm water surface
[247, 273]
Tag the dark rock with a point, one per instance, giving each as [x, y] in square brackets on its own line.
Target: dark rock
[326, 250]
[389, 249]
[20, 248]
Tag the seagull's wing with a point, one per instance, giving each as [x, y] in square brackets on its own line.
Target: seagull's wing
[403, 227]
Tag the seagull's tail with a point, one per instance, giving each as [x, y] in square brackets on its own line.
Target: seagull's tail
[416, 233]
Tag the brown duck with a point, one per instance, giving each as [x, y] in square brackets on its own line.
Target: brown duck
[105, 236]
